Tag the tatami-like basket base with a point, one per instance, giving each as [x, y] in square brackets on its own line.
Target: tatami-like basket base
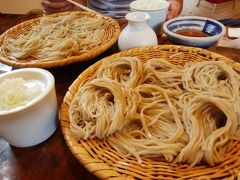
[103, 161]
[111, 33]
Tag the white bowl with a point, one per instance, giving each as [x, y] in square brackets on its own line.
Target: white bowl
[34, 122]
[157, 9]
[213, 28]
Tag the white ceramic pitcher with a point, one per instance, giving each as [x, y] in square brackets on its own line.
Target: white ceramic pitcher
[137, 33]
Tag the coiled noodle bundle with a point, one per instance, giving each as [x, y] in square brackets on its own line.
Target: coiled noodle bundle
[210, 122]
[155, 108]
[55, 38]
[163, 73]
[126, 70]
[215, 77]
[99, 109]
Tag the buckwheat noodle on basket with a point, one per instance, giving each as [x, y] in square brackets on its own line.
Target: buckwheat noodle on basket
[101, 107]
[158, 109]
[126, 70]
[55, 38]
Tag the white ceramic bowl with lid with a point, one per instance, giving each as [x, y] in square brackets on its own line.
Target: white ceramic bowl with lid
[33, 122]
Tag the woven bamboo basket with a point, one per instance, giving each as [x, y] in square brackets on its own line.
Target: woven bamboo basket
[111, 33]
[103, 161]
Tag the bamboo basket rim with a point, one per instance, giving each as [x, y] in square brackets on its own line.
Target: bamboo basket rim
[100, 159]
[112, 32]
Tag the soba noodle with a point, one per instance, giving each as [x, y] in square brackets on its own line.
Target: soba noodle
[163, 73]
[55, 38]
[155, 108]
[126, 70]
[101, 107]
[214, 77]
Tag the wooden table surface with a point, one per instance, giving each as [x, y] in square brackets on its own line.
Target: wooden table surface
[52, 159]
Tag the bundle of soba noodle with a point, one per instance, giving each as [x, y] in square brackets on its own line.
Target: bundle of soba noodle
[158, 109]
[55, 38]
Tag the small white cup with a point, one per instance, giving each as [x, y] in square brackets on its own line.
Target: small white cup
[34, 122]
[157, 9]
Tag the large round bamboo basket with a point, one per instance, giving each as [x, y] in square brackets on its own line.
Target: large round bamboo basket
[111, 33]
[103, 161]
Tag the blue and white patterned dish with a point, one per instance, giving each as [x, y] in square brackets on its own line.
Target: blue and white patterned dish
[215, 29]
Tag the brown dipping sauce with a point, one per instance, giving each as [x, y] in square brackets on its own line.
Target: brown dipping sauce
[192, 33]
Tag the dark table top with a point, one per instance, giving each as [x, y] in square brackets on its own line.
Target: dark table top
[52, 159]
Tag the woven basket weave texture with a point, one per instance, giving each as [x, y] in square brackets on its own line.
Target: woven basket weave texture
[102, 160]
